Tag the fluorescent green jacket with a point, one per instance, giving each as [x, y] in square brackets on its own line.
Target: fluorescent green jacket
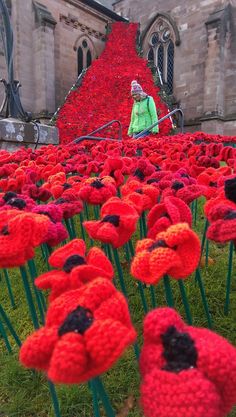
[143, 116]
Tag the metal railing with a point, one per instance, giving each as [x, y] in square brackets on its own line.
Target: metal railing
[167, 116]
[91, 136]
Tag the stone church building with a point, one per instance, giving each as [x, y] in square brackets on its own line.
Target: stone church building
[192, 44]
[53, 41]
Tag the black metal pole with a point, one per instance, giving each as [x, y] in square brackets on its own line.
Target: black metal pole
[11, 101]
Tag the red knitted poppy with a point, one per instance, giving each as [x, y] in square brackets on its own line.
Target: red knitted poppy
[86, 332]
[97, 190]
[224, 229]
[77, 268]
[171, 211]
[20, 233]
[186, 371]
[175, 252]
[217, 208]
[70, 205]
[118, 223]
[36, 192]
[114, 168]
[149, 194]
[142, 170]
[11, 200]
[187, 193]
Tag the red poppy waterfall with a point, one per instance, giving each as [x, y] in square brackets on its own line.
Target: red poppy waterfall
[105, 91]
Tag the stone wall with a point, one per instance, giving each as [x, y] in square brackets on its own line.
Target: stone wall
[47, 35]
[205, 59]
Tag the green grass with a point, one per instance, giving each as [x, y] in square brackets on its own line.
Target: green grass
[24, 393]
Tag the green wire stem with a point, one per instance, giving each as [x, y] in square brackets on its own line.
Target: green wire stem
[9, 326]
[185, 301]
[168, 291]
[228, 280]
[10, 292]
[203, 295]
[95, 398]
[103, 397]
[119, 270]
[5, 338]
[29, 297]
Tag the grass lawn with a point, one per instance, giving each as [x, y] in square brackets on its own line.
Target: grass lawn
[25, 394]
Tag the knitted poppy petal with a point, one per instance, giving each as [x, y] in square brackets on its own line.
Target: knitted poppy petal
[162, 261]
[36, 351]
[58, 281]
[154, 214]
[107, 233]
[151, 357]
[97, 258]
[74, 247]
[91, 227]
[83, 275]
[106, 341]
[157, 322]
[116, 308]
[217, 361]
[140, 267]
[143, 244]
[160, 226]
[222, 231]
[69, 359]
[186, 394]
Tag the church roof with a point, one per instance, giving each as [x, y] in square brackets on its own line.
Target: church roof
[105, 7]
[106, 3]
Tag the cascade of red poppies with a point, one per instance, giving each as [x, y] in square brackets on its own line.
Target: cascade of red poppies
[105, 91]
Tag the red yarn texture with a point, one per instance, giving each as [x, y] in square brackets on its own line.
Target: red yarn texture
[171, 211]
[206, 387]
[77, 268]
[118, 223]
[73, 347]
[20, 233]
[175, 251]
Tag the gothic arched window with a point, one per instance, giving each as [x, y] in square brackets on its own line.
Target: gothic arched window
[89, 58]
[170, 65]
[161, 50]
[84, 55]
[80, 60]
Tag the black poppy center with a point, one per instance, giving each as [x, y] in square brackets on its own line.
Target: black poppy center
[165, 215]
[230, 189]
[5, 231]
[138, 173]
[139, 191]
[177, 185]
[9, 195]
[112, 173]
[78, 321]
[17, 202]
[111, 218]
[179, 350]
[72, 262]
[158, 244]
[45, 213]
[97, 184]
[60, 201]
[152, 180]
[212, 184]
[66, 186]
[230, 216]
